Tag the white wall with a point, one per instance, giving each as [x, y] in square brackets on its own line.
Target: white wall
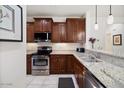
[104, 28]
[13, 60]
[90, 31]
[114, 30]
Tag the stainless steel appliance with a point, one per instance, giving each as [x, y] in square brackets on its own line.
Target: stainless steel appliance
[90, 81]
[40, 61]
[42, 37]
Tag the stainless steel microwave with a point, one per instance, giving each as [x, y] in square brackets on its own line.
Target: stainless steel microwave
[42, 37]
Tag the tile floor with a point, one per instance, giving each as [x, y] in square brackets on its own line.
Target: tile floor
[50, 81]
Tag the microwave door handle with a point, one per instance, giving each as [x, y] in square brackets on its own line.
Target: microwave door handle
[47, 36]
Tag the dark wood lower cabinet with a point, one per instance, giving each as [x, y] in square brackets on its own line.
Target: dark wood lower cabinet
[28, 67]
[61, 64]
[79, 71]
[67, 64]
[57, 64]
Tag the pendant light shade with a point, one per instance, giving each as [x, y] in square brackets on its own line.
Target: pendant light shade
[96, 26]
[110, 19]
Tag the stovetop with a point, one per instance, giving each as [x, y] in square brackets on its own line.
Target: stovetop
[43, 50]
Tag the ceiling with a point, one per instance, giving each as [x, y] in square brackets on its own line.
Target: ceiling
[73, 10]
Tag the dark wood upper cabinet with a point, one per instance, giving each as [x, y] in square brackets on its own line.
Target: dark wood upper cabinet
[80, 34]
[59, 32]
[38, 25]
[30, 31]
[75, 30]
[43, 24]
[47, 25]
[71, 30]
[55, 33]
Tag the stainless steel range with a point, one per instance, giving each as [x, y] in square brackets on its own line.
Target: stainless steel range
[40, 61]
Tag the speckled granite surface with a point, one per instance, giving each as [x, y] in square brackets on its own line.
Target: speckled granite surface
[109, 74]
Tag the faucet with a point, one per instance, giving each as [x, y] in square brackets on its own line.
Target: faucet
[92, 56]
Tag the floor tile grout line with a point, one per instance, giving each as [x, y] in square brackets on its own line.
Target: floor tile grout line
[30, 82]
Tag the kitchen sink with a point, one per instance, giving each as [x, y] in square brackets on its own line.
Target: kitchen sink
[87, 59]
[90, 58]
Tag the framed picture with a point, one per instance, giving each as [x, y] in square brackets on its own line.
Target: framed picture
[117, 39]
[11, 24]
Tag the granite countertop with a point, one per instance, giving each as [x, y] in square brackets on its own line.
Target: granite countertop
[109, 74]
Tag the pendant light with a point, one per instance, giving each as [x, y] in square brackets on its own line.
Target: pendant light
[110, 19]
[96, 24]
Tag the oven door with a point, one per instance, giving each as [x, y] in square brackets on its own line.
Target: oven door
[40, 63]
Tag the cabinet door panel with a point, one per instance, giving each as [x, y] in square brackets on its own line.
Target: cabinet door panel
[75, 30]
[57, 64]
[62, 29]
[79, 73]
[30, 32]
[47, 25]
[54, 65]
[29, 66]
[71, 28]
[62, 60]
[70, 64]
[38, 25]
[80, 34]
[59, 32]
[55, 33]
[43, 24]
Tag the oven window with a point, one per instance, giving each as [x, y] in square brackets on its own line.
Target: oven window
[40, 62]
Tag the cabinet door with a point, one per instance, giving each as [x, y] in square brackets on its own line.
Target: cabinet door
[80, 77]
[38, 25]
[70, 64]
[62, 66]
[59, 32]
[71, 29]
[43, 24]
[57, 64]
[79, 73]
[30, 32]
[62, 30]
[80, 34]
[47, 25]
[75, 30]
[29, 66]
[54, 65]
[55, 33]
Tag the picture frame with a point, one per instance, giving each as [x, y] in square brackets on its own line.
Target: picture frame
[11, 23]
[117, 39]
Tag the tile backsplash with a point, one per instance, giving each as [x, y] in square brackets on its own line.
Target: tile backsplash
[55, 46]
[32, 46]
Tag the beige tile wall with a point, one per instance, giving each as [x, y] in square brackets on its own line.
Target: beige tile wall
[55, 46]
